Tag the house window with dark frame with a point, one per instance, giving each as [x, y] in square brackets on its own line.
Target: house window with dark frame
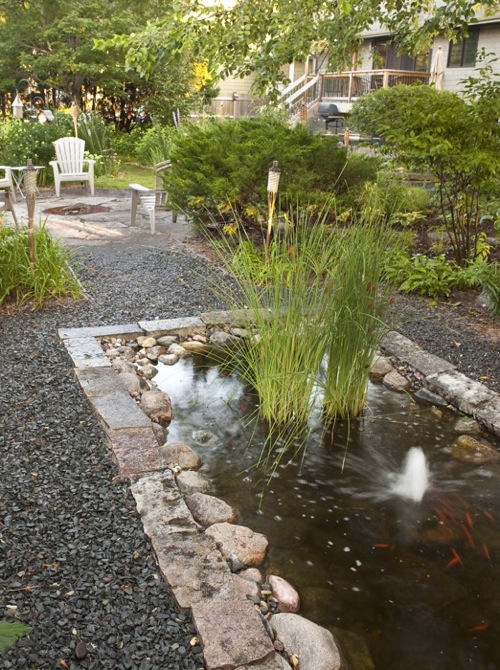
[464, 51]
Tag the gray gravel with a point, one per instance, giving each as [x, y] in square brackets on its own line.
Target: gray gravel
[73, 556]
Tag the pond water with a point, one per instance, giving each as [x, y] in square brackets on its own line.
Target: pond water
[404, 585]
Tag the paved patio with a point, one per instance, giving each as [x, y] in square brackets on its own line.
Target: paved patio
[111, 226]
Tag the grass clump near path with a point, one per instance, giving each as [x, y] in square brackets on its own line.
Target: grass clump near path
[48, 276]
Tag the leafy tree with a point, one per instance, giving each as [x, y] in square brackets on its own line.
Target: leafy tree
[441, 133]
[53, 43]
[261, 37]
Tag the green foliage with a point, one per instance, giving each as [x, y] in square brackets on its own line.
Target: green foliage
[153, 145]
[51, 276]
[393, 199]
[219, 170]
[262, 38]
[98, 142]
[487, 277]
[315, 300]
[10, 632]
[427, 276]
[20, 141]
[458, 142]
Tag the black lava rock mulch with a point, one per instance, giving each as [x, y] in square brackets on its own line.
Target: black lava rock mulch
[460, 330]
[74, 560]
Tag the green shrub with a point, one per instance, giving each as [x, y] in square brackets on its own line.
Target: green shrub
[125, 145]
[487, 277]
[20, 141]
[392, 198]
[51, 276]
[220, 169]
[153, 145]
[454, 138]
[98, 143]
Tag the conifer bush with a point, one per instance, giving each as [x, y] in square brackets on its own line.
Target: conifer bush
[219, 169]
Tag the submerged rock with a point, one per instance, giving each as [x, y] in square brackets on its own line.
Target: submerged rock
[467, 449]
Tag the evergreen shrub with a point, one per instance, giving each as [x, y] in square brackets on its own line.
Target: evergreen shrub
[220, 169]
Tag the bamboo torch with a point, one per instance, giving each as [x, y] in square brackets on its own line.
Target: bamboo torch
[30, 187]
[273, 181]
[74, 113]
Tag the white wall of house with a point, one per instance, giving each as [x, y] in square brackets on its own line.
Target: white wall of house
[489, 39]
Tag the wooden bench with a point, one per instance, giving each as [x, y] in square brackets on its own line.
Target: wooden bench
[150, 199]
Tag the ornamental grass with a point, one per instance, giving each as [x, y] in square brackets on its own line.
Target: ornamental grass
[48, 277]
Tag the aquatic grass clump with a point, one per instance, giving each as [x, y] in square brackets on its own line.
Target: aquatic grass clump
[355, 317]
[49, 276]
[285, 296]
[315, 309]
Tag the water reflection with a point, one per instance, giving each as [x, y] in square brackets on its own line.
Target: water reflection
[404, 585]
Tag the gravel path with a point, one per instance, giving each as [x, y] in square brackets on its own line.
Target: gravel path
[73, 556]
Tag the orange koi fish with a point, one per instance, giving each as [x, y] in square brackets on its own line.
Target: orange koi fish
[456, 559]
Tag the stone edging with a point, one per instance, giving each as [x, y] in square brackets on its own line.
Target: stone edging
[189, 560]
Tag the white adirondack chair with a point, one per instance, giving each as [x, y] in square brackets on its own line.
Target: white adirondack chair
[7, 182]
[69, 163]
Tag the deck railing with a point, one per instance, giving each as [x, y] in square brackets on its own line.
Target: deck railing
[347, 86]
[310, 89]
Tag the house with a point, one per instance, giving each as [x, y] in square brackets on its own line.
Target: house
[377, 64]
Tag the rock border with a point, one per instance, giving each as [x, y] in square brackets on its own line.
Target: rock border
[200, 566]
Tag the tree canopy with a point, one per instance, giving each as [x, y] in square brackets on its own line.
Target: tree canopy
[52, 43]
[244, 36]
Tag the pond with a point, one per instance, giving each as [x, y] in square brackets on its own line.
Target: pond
[402, 584]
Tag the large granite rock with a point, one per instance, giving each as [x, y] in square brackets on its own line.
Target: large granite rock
[157, 405]
[238, 544]
[315, 646]
[287, 597]
[181, 455]
[190, 482]
[208, 510]
[232, 634]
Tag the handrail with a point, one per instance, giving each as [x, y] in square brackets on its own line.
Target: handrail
[301, 91]
[296, 83]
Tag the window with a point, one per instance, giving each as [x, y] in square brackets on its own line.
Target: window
[463, 52]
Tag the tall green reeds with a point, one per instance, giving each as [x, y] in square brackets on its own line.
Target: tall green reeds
[354, 318]
[315, 305]
[51, 276]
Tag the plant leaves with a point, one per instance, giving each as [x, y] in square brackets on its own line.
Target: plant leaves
[10, 632]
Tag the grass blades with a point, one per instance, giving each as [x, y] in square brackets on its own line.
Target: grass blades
[50, 278]
[316, 309]
[355, 318]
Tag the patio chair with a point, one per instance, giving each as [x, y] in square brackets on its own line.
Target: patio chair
[150, 199]
[70, 162]
[7, 181]
[7, 193]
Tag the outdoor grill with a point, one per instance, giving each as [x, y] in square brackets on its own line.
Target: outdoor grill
[329, 112]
